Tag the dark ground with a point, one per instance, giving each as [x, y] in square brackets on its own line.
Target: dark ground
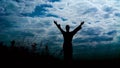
[21, 56]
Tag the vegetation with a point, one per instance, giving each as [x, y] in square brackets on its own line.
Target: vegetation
[19, 55]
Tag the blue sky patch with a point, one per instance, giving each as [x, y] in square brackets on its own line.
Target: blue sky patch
[117, 14]
[53, 0]
[108, 9]
[52, 15]
[17, 0]
[90, 10]
[112, 32]
[64, 19]
[39, 11]
[106, 16]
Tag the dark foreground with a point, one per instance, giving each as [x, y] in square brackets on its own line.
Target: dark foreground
[20, 56]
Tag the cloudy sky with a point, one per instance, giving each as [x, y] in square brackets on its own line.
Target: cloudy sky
[33, 20]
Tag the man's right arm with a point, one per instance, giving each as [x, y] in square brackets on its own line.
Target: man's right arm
[59, 27]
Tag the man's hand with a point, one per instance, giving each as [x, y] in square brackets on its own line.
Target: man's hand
[55, 22]
[59, 27]
[82, 23]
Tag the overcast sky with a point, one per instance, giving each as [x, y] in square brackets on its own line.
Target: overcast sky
[33, 20]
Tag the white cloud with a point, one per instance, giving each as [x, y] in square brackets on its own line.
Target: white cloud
[72, 11]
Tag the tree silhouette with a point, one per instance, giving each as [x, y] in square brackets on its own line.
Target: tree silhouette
[12, 42]
[34, 47]
[1, 43]
[68, 36]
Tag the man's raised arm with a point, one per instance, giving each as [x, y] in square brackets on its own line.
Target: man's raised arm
[78, 28]
[59, 27]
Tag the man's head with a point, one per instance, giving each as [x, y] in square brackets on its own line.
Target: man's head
[67, 28]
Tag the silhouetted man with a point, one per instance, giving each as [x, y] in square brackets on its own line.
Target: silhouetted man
[67, 45]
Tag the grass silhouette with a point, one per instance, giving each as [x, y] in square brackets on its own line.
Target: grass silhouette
[20, 55]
